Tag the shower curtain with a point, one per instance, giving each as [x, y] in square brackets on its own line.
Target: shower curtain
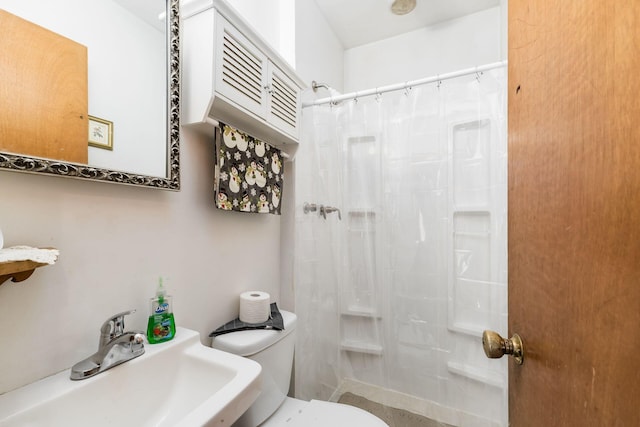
[394, 287]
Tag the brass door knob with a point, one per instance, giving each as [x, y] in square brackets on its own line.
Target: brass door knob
[495, 346]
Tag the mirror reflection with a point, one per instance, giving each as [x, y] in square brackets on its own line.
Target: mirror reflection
[87, 83]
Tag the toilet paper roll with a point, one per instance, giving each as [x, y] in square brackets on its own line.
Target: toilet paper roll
[254, 307]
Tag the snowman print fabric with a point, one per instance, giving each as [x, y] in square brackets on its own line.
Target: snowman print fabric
[249, 173]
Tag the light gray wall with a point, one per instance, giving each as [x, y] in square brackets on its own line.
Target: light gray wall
[319, 52]
[453, 45]
[116, 240]
[281, 36]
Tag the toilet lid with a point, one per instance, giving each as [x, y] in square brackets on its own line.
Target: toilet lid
[298, 413]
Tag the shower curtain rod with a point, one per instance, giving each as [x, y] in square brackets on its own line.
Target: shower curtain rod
[405, 85]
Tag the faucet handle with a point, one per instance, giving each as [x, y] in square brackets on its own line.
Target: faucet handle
[309, 207]
[324, 210]
[107, 332]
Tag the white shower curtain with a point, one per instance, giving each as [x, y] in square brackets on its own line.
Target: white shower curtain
[393, 297]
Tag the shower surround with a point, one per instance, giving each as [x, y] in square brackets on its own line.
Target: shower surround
[393, 298]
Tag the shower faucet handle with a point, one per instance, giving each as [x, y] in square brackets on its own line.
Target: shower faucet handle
[324, 210]
[321, 209]
[309, 207]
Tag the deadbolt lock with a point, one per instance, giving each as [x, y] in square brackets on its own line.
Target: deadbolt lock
[495, 346]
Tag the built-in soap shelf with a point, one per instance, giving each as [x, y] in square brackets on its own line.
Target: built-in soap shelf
[360, 326]
[357, 311]
[472, 234]
[361, 220]
[491, 378]
[467, 328]
[361, 347]
[362, 213]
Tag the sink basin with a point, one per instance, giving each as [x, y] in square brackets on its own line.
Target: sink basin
[177, 383]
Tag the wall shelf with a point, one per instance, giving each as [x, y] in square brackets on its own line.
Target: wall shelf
[359, 311]
[491, 378]
[361, 347]
[18, 271]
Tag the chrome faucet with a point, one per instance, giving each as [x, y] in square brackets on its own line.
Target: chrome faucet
[116, 346]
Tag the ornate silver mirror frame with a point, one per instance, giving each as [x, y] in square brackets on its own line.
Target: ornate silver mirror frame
[172, 180]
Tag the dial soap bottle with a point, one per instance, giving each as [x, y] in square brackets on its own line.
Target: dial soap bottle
[161, 326]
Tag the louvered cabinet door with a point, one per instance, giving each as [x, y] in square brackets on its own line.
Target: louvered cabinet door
[241, 69]
[284, 102]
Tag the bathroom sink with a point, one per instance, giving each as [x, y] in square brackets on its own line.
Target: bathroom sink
[177, 383]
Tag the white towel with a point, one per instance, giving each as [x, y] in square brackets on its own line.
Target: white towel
[27, 253]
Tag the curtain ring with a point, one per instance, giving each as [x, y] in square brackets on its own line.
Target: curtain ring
[407, 89]
[378, 95]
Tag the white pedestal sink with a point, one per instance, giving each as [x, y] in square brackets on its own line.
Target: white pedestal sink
[177, 383]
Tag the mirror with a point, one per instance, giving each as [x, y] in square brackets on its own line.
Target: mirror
[132, 92]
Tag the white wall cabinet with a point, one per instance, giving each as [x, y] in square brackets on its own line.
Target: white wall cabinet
[241, 69]
[235, 77]
[284, 106]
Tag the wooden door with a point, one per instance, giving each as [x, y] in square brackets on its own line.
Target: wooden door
[43, 92]
[574, 212]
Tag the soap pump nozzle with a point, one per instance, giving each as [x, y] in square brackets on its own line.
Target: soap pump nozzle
[161, 292]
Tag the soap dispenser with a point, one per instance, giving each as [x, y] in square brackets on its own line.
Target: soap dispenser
[161, 326]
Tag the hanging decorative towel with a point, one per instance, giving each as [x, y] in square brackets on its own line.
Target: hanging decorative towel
[248, 173]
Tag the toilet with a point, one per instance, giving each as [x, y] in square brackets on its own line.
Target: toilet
[274, 351]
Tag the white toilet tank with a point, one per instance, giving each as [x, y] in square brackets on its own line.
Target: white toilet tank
[274, 351]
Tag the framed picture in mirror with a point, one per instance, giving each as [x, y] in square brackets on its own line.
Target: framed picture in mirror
[100, 133]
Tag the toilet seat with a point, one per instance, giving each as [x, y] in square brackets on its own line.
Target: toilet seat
[299, 413]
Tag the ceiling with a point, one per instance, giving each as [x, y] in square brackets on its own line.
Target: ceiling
[358, 22]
